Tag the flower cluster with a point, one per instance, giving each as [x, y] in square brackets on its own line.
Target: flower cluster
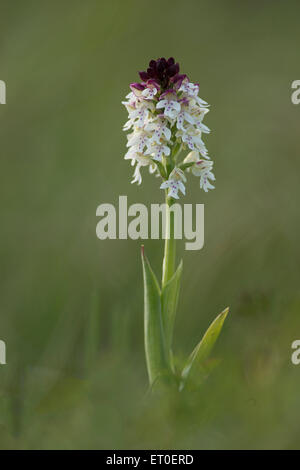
[166, 118]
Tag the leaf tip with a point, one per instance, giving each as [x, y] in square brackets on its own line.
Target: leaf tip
[224, 313]
[143, 251]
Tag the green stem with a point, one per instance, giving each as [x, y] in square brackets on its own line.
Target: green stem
[170, 246]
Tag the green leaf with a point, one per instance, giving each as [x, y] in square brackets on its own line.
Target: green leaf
[169, 301]
[204, 348]
[155, 347]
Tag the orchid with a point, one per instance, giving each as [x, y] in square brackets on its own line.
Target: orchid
[165, 120]
[175, 183]
[202, 169]
[168, 101]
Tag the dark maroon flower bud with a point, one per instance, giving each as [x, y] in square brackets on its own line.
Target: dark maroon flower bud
[178, 79]
[154, 83]
[144, 76]
[137, 86]
[151, 72]
[160, 67]
[172, 70]
[162, 70]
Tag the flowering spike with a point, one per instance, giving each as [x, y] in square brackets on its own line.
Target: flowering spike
[165, 118]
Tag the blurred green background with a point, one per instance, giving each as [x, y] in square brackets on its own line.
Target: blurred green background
[71, 305]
